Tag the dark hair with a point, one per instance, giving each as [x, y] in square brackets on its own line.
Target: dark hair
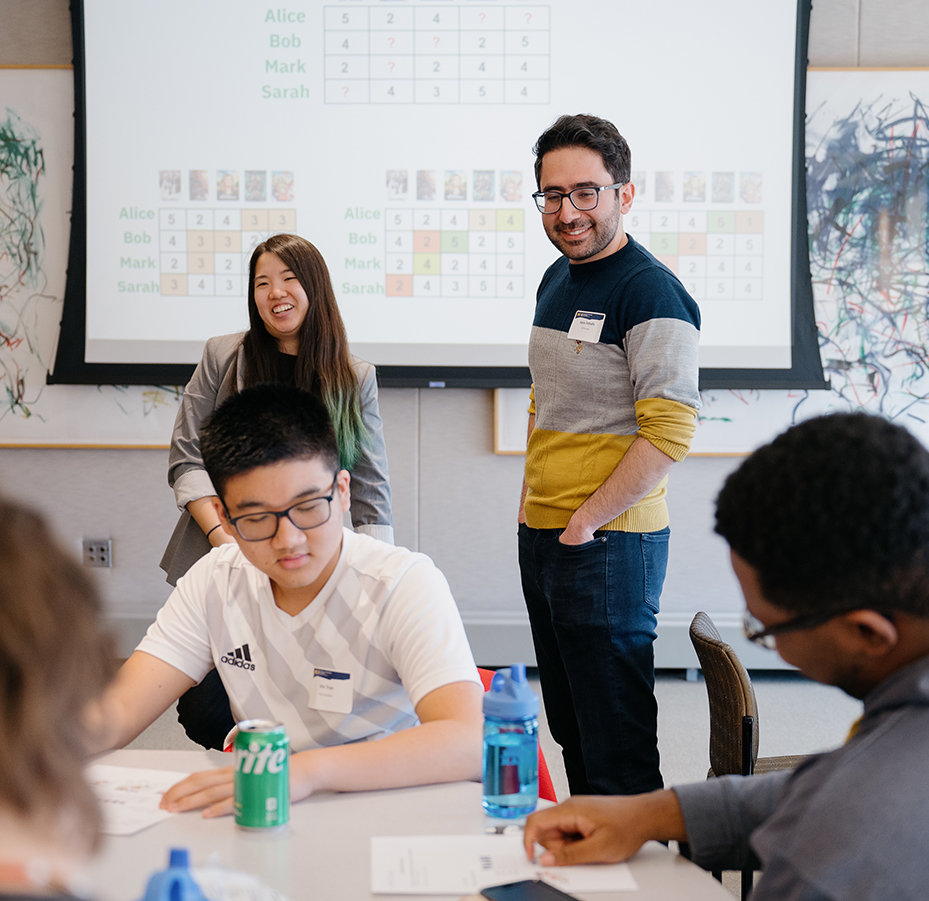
[834, 514]
[591, 132]
[324, 364]
[266, 424]
[55, 660]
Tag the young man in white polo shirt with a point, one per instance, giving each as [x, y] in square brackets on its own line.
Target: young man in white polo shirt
[340, 637]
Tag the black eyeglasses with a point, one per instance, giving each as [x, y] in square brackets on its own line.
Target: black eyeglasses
[756, 631]
[305, 515]
[582, 199]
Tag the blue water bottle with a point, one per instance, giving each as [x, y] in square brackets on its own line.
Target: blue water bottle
[511, 745]
[175, 883]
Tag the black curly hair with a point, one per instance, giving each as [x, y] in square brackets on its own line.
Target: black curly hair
[834, 515]
[592, 132]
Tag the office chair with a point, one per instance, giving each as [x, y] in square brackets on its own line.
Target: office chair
[733, 715]
[546, 788]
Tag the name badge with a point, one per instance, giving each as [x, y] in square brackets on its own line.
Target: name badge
[331, 690]
[587, 326]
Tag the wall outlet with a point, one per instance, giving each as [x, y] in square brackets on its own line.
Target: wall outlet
[98, 552]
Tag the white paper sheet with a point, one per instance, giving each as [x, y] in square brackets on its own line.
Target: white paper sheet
[129, 797]
[221, 884]
[459, 864]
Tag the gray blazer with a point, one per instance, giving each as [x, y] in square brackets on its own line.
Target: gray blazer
[218, 375]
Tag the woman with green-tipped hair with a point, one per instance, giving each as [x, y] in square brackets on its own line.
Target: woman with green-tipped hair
[296, 336]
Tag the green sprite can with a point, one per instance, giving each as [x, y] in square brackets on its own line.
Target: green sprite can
[262, 775]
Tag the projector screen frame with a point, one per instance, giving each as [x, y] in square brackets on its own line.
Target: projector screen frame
[806, 372]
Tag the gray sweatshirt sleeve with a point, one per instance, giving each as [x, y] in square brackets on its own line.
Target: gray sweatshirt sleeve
[212, 382]
[370, 509]
[721, 814]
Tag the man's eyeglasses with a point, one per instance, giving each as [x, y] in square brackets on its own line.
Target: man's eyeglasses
[756, 631]
[305, 515]
[582, 199]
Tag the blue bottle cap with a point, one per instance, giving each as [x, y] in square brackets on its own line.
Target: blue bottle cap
[510, 696]
[179, 857]
[174, 883]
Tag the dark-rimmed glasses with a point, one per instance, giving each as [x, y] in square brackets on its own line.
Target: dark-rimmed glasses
[755, 631]
[582, 199]
[305, 515]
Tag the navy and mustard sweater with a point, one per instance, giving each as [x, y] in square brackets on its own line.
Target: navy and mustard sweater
[592, 399]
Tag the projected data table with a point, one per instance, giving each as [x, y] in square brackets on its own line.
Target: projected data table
[455, 252]
[717, 255]
[205, 252]
[437, 54]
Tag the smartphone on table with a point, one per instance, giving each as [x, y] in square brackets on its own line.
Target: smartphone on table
[525, 890]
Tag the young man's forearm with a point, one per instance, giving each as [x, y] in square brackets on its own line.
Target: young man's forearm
[448, 751]
[603, 829]
[143, 688]
[636, 474]
[445, 747]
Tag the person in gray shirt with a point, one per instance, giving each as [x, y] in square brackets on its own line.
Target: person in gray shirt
[828, 527]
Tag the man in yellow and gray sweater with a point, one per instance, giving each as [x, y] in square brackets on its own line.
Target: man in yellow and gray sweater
[613, 357]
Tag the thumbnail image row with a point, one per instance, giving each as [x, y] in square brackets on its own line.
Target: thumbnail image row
[480, 185]
[699, 187]
[486, 185]
[250, 185]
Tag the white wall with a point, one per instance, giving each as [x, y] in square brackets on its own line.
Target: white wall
[453, 497]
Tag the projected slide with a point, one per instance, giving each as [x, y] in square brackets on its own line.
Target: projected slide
[397, 136]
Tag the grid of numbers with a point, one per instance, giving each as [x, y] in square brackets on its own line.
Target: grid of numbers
[717, 255]
[455, 253]
[437, 54]
[205, 252]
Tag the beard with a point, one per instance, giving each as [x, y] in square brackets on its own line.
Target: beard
[597, 237]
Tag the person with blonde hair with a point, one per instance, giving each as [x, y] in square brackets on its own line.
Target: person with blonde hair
[55, 660]
[296, 336]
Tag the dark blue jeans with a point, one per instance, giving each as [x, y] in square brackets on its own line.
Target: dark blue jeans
[593, 609]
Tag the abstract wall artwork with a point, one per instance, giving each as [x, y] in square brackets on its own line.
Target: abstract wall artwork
[36, 153]
[867, 167]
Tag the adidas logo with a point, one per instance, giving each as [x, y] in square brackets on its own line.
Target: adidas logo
[239, 657]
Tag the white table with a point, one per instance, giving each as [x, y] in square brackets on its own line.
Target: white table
[324, 854]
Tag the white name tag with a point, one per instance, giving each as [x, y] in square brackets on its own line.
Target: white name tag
[586, 326]
[331, 690]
